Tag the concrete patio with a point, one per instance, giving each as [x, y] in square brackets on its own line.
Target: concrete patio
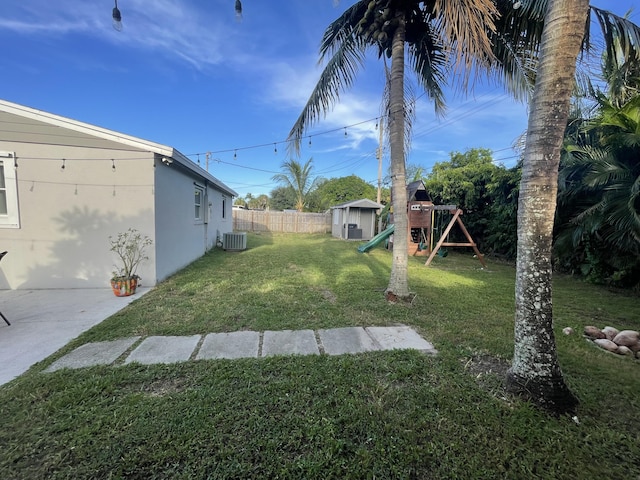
[43, 321]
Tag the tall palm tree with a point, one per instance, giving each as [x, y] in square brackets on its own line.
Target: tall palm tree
[439, 36]
[300, 178]
[535, 372]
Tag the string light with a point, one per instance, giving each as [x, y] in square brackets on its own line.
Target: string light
[309, 140]
[114, 190]
[63, 166]
[235, 154]
[76, 191]
[33, 184]
[345, 131]
[275, 149]
[113, 165]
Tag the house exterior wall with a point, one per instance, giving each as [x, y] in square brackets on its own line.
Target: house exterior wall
[180, 236]
[67, 214]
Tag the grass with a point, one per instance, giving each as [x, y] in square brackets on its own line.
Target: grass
[397, 414]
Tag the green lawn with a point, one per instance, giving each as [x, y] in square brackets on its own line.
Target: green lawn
[382, 415]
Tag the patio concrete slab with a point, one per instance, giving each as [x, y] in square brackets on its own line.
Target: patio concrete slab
[338, 341]
[169, 349]
[44, 321]
[96, 353]
[242, 344]
[395, 338]
[287, 342]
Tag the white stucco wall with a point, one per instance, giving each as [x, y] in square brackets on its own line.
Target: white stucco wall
[181, 238]
[67, 215]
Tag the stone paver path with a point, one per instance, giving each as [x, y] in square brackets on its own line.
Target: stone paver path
[243, 344]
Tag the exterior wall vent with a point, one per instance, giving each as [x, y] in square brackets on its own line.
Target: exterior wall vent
[234, 241]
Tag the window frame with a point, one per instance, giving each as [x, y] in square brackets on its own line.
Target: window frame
[199, 214]
[12, 218]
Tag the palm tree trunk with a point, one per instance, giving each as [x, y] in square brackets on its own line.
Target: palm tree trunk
[398, 283]
[535, 373]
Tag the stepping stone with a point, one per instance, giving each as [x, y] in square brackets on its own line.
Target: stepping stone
[169, 349]
[395, 338]
[287, 342]
[229, 345]
[96, 353]
[338, 341]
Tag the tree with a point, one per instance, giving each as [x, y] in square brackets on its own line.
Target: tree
[535, 373]
[345, 189]
[282, 198]
[438, 34]
[599, 199]
[299, 177]
[486, 192]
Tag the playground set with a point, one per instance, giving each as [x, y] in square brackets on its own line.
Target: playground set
[428, 223]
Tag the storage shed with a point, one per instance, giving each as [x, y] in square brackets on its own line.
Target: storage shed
[355, 220]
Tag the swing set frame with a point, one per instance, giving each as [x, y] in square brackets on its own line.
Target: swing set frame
[442, 241]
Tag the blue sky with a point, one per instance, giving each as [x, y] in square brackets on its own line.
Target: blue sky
[185, 73]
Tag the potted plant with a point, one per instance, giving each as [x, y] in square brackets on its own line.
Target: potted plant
[130, 247]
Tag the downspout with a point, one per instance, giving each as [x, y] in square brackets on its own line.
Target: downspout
[207, 212]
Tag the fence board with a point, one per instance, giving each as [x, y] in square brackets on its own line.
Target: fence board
[280, 222]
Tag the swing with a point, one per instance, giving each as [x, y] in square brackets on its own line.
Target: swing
[442, 251]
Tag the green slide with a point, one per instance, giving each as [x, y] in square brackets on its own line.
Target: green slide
[375, 241]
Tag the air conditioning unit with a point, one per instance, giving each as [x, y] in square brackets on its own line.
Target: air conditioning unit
[235, 241]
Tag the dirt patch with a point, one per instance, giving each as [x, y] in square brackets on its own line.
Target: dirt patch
[489, 373]
[328, 295]
[164, 387]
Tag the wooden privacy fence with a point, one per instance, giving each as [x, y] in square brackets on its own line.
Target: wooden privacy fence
[282, 222]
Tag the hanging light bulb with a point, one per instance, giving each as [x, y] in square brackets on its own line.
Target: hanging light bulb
[238, 10]
[517, 5]
[117, 18]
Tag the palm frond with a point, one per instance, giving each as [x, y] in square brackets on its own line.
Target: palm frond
[337, 76]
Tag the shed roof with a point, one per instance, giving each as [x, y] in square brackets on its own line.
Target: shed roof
[38, 119]
[362, 203]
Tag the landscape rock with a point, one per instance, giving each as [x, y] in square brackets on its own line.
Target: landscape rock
[567, 330]
[593, 332]
[622, 350]
[628, 338]
[606, 344]
[610, 332]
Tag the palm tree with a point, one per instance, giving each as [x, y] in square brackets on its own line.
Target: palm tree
[497, 37]
[535, 372]
[299, 178]
[600, 191]
[441, 35]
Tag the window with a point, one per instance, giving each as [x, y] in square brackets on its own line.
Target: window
[9, 214]
[198, 202]
[224, 207]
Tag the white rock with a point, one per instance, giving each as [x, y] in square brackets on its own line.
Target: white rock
[610, 332]
[622, 350]
[606, 344]
[567, 330]
[628, 338]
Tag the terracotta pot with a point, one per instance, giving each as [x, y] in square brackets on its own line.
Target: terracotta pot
[124, 287]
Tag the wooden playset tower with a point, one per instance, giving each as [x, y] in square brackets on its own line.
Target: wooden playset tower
[429, 228]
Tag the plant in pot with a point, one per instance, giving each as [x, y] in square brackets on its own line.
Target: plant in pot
[130, 248]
